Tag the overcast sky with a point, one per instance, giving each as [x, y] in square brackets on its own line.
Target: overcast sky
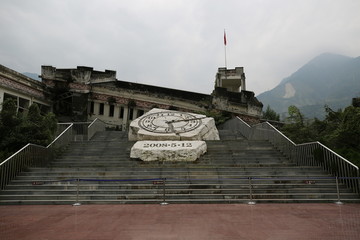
[177, 43]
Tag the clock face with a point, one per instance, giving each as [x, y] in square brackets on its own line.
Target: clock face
[169, 122]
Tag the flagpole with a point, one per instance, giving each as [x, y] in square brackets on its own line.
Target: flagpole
[225, 57]
[225, 48]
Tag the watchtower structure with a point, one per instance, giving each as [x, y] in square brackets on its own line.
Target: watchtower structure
[231, 79]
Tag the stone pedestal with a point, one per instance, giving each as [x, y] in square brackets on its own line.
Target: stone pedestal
[187, 151]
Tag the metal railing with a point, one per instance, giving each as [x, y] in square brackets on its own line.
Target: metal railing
[33, 155]
[249, 189]
[237, 125]
[310, 154]
[96, 126]
[63, 139]
[317, 154]
[29, 155]
[265, 131]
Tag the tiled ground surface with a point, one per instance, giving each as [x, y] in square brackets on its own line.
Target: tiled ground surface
[177, 221]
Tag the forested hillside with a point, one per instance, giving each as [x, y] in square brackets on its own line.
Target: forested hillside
[328, 79]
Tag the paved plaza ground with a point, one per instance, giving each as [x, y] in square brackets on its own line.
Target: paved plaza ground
[181, 221]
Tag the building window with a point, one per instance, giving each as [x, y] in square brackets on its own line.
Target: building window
[8, 96]
[131, 112]
[43, 108]
[20, 105]
[101, 109]
[140, 112]
[121, 114]
[92, 108]
[111, 111]
[23, 104]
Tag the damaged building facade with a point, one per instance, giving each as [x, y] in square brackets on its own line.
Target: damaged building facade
[23, 90]
[84, 94]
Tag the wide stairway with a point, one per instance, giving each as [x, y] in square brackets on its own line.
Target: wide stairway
[234, 170]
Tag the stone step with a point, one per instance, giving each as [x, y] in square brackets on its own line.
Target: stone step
[205, 163]
[204, 158]
[164, 171]
[109, 176]
[20, 187]
[108, 153]
[184, 175]
[262, 174]
[198, 182]
[171, 201]
[168, 196]
[152, 166]
[172, 185]
[163, 167]
[137, 192]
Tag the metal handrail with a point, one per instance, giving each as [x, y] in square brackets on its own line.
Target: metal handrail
[60, 135]
[34, 155]
[244, 128]
[312, 154]
[95, 126]
[344, 159]
[29, 155]
[248, 191]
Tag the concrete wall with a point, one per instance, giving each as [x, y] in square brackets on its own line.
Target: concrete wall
[81, 74]
[231, 79]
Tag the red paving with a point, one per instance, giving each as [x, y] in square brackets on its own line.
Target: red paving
[181, 221]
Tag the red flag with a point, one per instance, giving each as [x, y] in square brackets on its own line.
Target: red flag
[224, 38]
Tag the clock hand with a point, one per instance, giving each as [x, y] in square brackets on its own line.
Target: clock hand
[184, 120]
[171, 126]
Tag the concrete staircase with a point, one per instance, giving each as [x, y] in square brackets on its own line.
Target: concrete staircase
[224, 174]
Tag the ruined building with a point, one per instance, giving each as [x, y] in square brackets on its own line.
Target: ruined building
[23, 90]
[83, 94]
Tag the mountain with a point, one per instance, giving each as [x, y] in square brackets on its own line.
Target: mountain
[328, 79]
[32, 76]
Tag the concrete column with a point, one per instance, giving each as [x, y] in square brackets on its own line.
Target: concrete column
[116, 112]
[106, 109]
[126, 112]
[243, 85]
[96, 108]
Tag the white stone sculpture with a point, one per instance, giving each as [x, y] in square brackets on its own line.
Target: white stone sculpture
[168, 150]
[160, 124]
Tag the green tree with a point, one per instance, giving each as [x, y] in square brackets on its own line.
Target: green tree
[296, 128]
[9, 129]
[9, 116]
[295, 116]
[340, 130]
[34, 127]
[270, 114]
[18, 130]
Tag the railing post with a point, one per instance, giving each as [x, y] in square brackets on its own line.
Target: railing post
[77, 203]
[164, 193]
[357, 181]
[251, 202]
[338, 202]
